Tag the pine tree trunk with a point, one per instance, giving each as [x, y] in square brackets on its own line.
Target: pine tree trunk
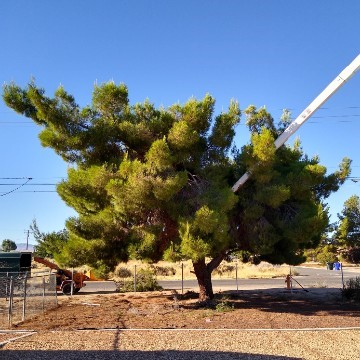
[203, 276]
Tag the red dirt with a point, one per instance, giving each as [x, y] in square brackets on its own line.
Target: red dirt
[247, 310]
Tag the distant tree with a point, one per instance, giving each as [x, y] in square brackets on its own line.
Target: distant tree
[348, 232]
[49, 244]
[351, 255]
[8, 245]
[327, 254]
[153, 183]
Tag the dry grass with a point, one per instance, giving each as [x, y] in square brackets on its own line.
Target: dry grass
[173, 271]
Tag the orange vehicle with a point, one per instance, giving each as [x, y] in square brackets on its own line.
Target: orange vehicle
[66, 280]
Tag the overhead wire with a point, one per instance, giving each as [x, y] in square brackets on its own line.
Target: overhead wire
[348, 116]
[37, 191]
[354, 179]
[13, 190]
[26, 183]
[269, 109]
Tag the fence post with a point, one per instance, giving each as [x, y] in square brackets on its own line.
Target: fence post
[6, 286]
[43, 294]
[182, 278]
[24, 299]
[11, 293]
[236, 276]
[342, 276]
[72, 282]
[55, 289]
[134, 278]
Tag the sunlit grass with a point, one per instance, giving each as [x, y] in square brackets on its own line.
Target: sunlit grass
[173, 271]
[226, 270]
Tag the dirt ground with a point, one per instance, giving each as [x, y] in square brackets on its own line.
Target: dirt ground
[166, 310]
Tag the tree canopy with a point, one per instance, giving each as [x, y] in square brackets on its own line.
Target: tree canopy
[49, 245]
[348, 231]
[152, 183]
[8, 245]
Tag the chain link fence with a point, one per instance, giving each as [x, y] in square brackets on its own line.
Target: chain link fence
[231, 276]
[23, 296]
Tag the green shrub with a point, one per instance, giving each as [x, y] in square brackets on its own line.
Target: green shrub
[123, 272]
[224, 306]
[351, 290]
[145, 281]
[224, 269]
[101, 271]
[327, 254]
[312, 254]
[163, 270]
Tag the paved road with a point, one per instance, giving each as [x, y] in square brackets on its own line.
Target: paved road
[308, 278]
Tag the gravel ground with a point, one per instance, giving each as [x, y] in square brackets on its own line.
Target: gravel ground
[186, 344]
[204, 334]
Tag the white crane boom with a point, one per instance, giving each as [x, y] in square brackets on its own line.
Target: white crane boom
[335, 85]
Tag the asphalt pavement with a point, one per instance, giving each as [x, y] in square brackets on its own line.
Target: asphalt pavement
[307, 278]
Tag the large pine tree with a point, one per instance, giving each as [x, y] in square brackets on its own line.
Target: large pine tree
[154, 183]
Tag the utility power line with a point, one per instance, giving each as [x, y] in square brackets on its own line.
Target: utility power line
[21, 185]
[333, 118]
[28, 184]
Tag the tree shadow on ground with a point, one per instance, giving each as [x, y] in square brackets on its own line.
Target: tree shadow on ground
[133, 355]
[281, 301]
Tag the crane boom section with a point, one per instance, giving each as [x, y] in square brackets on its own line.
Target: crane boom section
[335, 85]
[45, 262]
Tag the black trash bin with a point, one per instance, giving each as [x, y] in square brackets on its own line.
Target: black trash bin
[330, 265]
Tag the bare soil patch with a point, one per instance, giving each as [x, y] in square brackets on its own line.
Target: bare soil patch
[163, 310]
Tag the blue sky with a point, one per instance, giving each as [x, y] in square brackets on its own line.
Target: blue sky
[277, 53]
